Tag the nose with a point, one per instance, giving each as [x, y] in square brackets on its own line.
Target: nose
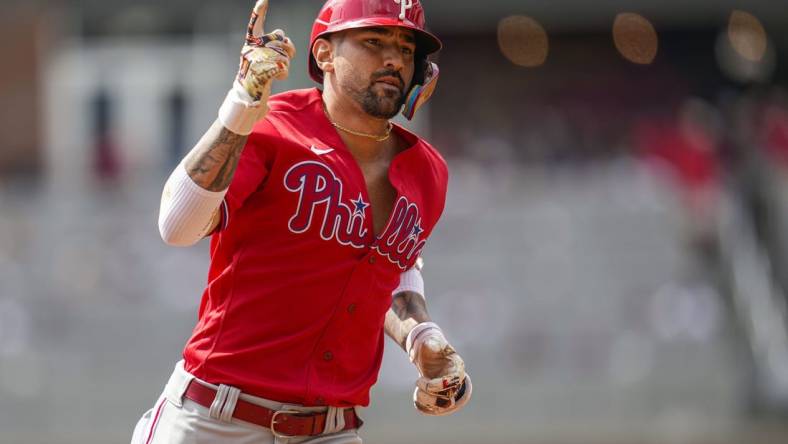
[392, 58]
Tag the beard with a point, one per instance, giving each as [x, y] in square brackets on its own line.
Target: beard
[382, 103]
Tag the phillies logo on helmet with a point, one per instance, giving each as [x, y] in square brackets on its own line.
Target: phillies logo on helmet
[320, 192]
[405, 5]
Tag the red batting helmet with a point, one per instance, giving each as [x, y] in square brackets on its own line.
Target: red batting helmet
[339, 15]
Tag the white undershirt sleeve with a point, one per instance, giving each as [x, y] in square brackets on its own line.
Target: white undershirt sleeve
[186, 210]
[410, 280]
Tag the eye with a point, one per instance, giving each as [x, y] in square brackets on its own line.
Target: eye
[407, 51]
[373, 42]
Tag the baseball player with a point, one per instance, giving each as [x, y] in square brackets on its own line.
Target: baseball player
[318, 208]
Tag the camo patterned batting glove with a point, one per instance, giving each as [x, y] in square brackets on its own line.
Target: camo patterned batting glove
[444, 387]
[264, 58]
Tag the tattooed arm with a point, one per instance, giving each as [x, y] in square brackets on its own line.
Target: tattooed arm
[443, 387]
[407, 310]
[193, 194]
[212, 162]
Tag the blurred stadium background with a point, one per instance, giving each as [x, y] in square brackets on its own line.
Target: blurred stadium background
[612, 262]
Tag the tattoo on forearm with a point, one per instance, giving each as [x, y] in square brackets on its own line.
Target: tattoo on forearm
[407, 310]
[408, 305]
[213, 161]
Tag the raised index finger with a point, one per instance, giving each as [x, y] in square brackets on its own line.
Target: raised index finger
[254, 31]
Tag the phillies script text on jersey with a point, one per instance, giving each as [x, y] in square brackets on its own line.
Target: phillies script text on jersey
[299, 285]
[318, 185]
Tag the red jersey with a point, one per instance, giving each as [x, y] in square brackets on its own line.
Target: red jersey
[299, 285]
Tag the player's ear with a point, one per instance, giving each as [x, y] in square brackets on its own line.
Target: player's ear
[323, 52]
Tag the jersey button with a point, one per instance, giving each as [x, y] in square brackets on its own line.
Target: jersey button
[327, 356]
[351, 308]
[372, 260]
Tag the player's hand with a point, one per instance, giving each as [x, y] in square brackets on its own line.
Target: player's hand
[443, 387]
[264, 57]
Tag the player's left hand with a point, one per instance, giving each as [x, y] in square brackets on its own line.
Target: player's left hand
[443, 387]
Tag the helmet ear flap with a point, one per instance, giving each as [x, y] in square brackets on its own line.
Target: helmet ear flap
[425, 80]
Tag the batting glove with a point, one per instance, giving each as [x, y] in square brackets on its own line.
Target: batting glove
[264, 57]
[444, 387]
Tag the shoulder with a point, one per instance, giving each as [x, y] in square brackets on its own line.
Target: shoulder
[294, 101]
[292, 115]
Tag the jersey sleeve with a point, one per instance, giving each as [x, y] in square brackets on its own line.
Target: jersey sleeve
[253, 168]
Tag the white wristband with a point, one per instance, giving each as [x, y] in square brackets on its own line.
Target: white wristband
[415, 333]
[410, 280]
[186, 209]
[239, 112]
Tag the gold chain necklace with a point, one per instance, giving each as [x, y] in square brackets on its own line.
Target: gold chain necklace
[375, 137]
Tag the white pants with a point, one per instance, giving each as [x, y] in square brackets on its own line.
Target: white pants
[178, 420]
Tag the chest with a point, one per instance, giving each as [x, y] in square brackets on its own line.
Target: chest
[380, 191]
[326, 198]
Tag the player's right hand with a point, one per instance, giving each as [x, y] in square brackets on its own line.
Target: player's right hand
[264, 57]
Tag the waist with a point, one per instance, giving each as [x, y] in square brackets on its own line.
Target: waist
[284, 420]
[316, 379]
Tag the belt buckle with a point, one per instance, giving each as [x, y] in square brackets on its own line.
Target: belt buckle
[273, 422]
